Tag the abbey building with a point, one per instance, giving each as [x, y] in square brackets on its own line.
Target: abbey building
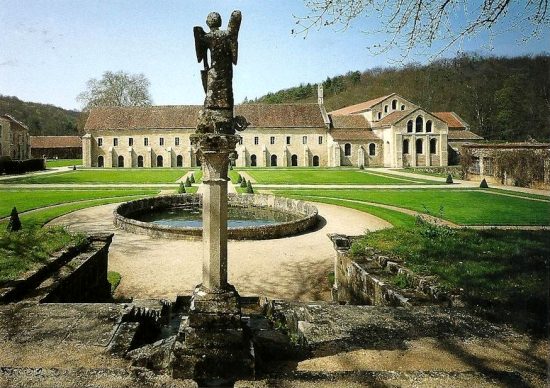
[389, 131]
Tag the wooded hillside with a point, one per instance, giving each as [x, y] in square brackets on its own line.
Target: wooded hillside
[501, 98]
[42, 119]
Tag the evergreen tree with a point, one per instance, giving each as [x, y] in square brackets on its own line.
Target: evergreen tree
[239, 179]
[484, 184]
[192, 178]
[15, 224]
[187, 182]
[243, 183]
[181, 189]
[249, 189]
[449, 179]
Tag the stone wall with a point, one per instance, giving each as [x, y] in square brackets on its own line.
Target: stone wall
[309, 216]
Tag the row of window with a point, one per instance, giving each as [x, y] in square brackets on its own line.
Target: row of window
[419, 125]
[288, 140]
[273, 160]
[347, 149]
[131, 141]
[420, 146]
[140, 159]
[393, 107]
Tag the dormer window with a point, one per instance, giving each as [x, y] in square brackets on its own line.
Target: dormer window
[385, 109]
[379, 115]
[394, 104]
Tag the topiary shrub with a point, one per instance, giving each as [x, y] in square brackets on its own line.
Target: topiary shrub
[187, 182]
[243, 183]
[15, 224]
[361, 167]
[192, 178]
[239, 179]
[74, 168]
[249, 189]
[484, 184]
[449, 179]
[181, 188]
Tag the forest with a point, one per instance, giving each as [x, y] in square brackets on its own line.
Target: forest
[501, 98]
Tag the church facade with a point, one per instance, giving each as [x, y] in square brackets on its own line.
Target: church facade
[389, 131]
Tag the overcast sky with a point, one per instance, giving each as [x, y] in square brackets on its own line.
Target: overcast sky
[49, 49]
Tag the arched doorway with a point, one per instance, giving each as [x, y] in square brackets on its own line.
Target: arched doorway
[100, 161]
[315, 161]
[160, 161]
[419, 146]
[120, 161]
[273, 160]
[294, 160]
[140, 161]
[253, 160]
[179, 161]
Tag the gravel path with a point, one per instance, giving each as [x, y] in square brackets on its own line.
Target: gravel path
[290, 268]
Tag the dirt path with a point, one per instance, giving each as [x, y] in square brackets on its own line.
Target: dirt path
[289, 268]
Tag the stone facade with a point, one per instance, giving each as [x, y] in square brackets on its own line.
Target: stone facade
[14, 138]
[389, 131]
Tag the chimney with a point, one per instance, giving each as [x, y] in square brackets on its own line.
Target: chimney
[320, 94]
[321, 103]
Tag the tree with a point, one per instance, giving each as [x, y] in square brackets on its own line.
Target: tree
[411, 23]
[187, 182]
[243, 182]
[116, 89]
[249, 189]
[14, 224]
[181, 188]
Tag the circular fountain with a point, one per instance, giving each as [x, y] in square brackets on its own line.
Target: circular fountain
[250, 216]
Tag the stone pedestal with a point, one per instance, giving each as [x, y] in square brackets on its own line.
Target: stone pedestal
[211, 346]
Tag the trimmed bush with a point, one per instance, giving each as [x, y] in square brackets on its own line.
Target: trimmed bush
[484, 184]
[15, 224]
[187, 182]
[249, 189]
[243, 183]
[9, 166]
[192, 178]
[74, 168]
[449, 179]
[239, 179]
[361, 167]
[181, 188]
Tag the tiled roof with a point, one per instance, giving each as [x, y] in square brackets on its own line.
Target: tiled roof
[462, 135]
[349, 121]
[518, 145]
[452, 119]
[56, 142]
[185, 116]
[361, 107]
[392, 118]
[353, 134]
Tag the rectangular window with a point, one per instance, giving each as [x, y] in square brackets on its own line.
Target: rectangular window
[304, 139]
[272, 140]
[100, 142]
[288, 140]
[146, 141]
[161, 141]
[320, 139]
[130, 141]
[241, 141]
[177, 141]
[115, 141]
[256, 140]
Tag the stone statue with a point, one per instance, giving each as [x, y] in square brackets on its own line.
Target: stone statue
[217, 115]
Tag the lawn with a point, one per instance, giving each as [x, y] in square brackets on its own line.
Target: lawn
[465, 207]
[63, 162]
[506, 272]
[107, 176]
[27, 199]
[330, 177]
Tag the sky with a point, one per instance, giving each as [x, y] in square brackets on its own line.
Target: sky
[49, 49]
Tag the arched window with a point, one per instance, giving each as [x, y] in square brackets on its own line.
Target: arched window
[253, 160]
[394, 104]
[419, 124]
[100, 161]
[159, 161]
[372, 149]
[273, 160]
[120, 161]
[379, 115]
[179, 161]
[315, 161]
[405, 146]
[403, 107]
[409, 126]
[385, 109]
[419, 146]
[140, 161]
[429, 126]
[294, 160]
[433, 146]
[347, 149]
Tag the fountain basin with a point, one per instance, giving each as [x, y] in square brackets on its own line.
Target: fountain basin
[154, 216]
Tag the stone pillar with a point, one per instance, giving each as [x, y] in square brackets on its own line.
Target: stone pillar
[86, 150]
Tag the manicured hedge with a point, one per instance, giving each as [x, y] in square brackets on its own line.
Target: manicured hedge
[9, 166]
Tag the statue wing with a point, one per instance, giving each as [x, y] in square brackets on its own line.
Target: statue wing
[233, 30]
[200, 46]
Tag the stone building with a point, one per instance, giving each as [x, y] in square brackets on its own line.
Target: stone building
[14, 138]
[53, 147]
[388, 131]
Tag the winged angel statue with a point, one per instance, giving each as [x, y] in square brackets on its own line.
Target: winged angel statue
[217, 115]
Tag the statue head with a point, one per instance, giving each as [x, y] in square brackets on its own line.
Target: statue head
[214, 20]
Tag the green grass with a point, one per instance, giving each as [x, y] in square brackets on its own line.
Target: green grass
[29, 248]
[107, 176]
[465, 207]
[329, 176]
[234, 176]
[25, 199]
[114, 280]
[498, 269]
[63, 162]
